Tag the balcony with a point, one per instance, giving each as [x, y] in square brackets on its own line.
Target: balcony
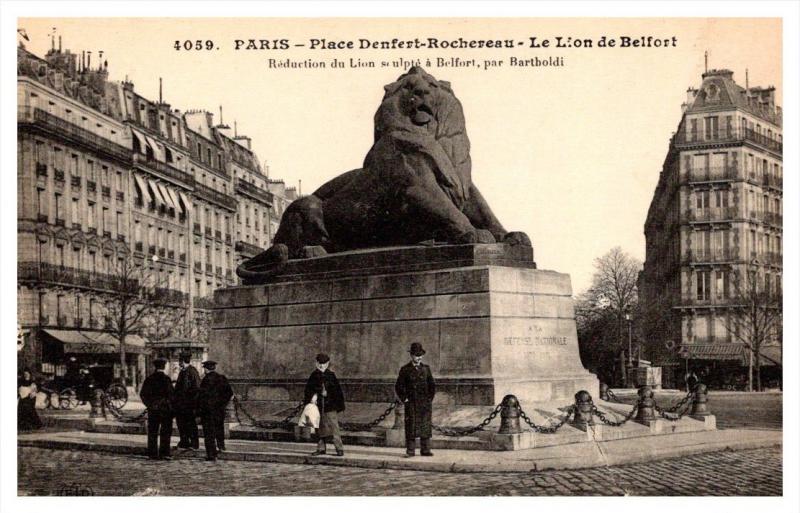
[247, 249]
[248, 189]
[710, 257]
[41, 169]
[58, 175]
[198, 267]
[171, 254]
[196, 229]
[182, 258]
[227, 238]
[712, 174]
[106, 191]
[120, 196]
[208, 231]
[727, 136]
[169, 296]
[218, 235]
[774, 258]
[209, 268]
[139, 246]
[75, 181]
[151, 250]
[170, 172]
[107, 234]
[91, 186]
[218, 198]
[710, 215]
[772, 181]
[60, 222]
[42, 218]
[39, 120]
[773, 219]
[162, 252]
[69, 276]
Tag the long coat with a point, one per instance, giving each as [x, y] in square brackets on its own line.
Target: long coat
[415, 387]
[187, 388]
[157, 393]
[334, 401]
[215, 392]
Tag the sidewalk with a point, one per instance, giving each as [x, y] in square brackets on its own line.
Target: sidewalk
[571, 456]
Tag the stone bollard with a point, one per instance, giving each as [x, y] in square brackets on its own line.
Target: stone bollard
[604, 392]
[399, 417]
[583, 410]
[646, 411]
[700, 403]
[509, 416]
[98, 408]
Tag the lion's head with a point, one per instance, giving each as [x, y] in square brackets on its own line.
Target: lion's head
[419, 103]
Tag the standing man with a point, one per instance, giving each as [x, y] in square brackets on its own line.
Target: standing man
[187, 388]
[415, 387]
[215, 392]
[157, 396]
[323, 387]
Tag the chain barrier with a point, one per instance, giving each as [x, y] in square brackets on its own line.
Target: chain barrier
[265, 424]
[468, 431]
[117, 412]
[355, 426]
[613, 397]
[552, 428]
[599, 414]
[673, 414]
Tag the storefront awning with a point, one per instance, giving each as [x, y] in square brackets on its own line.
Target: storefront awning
[174, 196]
[142, 140]
[143, 186]
[95, 342]
[186, 202]
[770, 355]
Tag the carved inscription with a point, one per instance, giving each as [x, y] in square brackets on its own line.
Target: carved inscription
[535, 341]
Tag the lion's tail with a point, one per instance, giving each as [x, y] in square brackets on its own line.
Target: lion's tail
[264, 265]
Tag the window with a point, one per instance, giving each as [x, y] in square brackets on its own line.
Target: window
[703, 285]
[721, 285]
[92, 213]
[40, 201]
[712, 128]
[119, 223]
[702, 199]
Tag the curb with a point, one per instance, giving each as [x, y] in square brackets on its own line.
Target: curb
[417, 464]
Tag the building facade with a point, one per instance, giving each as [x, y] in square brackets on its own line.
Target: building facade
[715, 220]
[104, 176]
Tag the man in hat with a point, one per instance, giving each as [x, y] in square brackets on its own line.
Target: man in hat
[323, 387]
[415, 387]
[215, 392]
[157, 396]
[187, 388]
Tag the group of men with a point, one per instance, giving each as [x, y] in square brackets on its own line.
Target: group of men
[185, 401]
[190, 397]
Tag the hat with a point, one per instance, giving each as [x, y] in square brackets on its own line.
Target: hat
[209, 364]
[416, 349]
[323, 358]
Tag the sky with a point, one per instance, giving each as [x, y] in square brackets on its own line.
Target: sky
[569, 154]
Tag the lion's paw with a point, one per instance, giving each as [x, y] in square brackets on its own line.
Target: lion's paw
[313, 251]
[484, 237]
[517, 238]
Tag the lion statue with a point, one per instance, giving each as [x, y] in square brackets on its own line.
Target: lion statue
[415, 186]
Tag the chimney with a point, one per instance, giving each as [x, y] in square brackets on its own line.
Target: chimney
[220, 116]
[160, 90]
[88, 59]
[100, 59]
[235, 130]
[59, 44]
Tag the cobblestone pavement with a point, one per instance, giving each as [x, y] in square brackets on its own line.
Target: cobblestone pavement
[44, 471]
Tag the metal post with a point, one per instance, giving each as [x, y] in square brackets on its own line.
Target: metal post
[604, 392]
[96, 402]
[646, 411]
[583, 409]
[700, 403]
[509, 416]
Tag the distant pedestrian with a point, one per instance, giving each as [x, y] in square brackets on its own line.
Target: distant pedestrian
[157, 395]
[416, 387]
[27, 418]
[323, 389]
[187, 388]
[215, 392]
[691, 381]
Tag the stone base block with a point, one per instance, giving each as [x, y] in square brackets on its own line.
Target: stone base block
[709, 421]
[395, 438]
[511, 442]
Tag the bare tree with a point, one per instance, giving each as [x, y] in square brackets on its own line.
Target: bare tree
[756, 316]
[136, 293]
[601, 310]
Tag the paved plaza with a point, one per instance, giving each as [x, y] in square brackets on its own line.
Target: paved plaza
[44, 472]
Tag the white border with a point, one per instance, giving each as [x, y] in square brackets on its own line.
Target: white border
[790, 13]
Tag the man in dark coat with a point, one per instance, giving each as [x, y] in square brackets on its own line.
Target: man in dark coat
[187, 388]
[415, 387]
[215, 392]
[323, 385]
[157, 396]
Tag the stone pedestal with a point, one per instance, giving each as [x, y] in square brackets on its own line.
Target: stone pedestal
[491, 325]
